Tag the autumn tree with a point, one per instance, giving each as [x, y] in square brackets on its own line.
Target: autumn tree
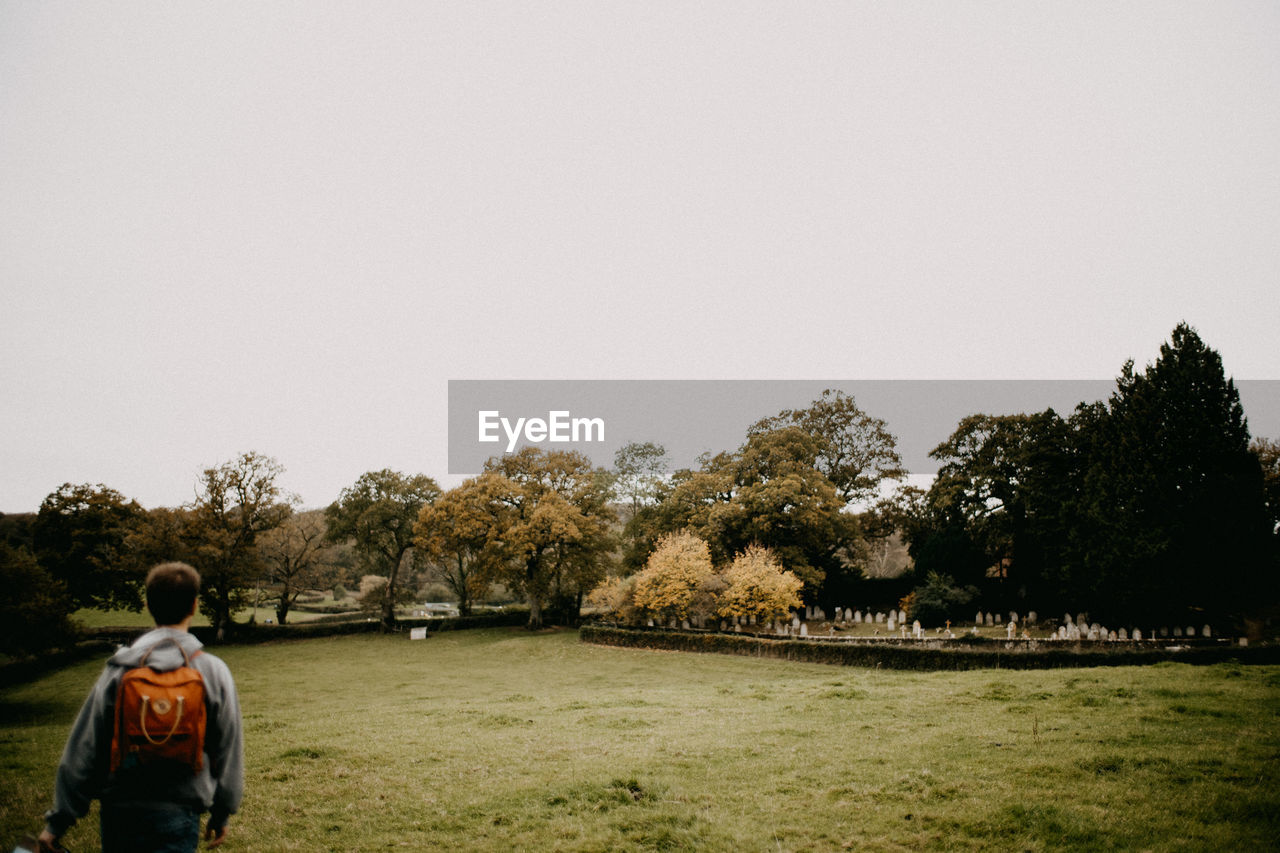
[377, 514]
[236, 503]
[79, 535]
[768, 493]
[295, 556]
[679, 579]
[551, 534]
[758, 585]
[456, 536]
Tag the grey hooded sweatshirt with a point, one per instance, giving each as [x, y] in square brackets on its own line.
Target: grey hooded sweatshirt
[83, 773]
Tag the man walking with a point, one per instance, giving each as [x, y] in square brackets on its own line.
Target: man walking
[159, 739]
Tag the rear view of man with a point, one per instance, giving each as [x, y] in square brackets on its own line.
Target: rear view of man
[159, 739]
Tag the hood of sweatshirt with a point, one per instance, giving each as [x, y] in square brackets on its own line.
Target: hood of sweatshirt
[165, 647]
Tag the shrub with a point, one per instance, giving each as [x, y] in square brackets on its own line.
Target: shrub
[759, 586]
[939, 599]
[339, 592]
[678, 580]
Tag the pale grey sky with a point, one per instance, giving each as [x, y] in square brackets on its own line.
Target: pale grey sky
[284, 226]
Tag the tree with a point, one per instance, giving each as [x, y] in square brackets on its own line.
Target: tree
[551, 513]
[34, 607]
[378, 512]
[294, 555]
[236, 502]
[1175, 495]
[80, 534]
[758, 586]
[769, 493]
[678, 580]
[455, 535]
[855, 451]
[1001, 480]
[1268, 453]
[639, 470]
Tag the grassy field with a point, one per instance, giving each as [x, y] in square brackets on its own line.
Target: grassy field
[506, 740]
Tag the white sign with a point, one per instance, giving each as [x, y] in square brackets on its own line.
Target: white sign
[417, 633]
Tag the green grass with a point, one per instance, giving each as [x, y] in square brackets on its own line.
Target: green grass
[506, 740]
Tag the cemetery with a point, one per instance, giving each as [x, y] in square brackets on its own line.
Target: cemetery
[883, 638]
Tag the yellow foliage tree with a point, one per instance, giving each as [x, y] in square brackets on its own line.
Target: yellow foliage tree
[759, 586]
[617, 598]
[678, 579]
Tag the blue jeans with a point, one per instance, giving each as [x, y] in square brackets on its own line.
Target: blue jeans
[149, 829]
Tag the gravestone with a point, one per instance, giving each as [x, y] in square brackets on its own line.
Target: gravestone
[795, 621]
[1164, 632]
[737, 627]
[1013, 616]
[1122, 634]
[724, 626]
[1177, 632]
[879, 617]
[893, 622]
[1082, 621]
[1067, 620]
[650, 623]
[1111, 635]
[1206, 632]
[751, 620]
[1137, 634]
[685, 625]
[902, 616]
[417, 633]
[1032, 618]
[978, 619]
[915, 629]
[991, 622]
[1191, 631]
[1010, 629]
[857, 617]
[804, 630]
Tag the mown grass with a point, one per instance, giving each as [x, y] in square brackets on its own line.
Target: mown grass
[506, 740]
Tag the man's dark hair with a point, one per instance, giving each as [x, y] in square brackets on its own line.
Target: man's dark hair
[171, 592]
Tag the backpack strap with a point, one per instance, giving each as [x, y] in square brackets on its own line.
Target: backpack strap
[186, 658]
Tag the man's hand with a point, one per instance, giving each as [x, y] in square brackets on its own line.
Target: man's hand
[215, 836]
[49, 842]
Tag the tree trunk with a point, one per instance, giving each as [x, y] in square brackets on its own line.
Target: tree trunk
[535, 612]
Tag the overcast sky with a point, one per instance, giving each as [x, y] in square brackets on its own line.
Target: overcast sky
[285, 226]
